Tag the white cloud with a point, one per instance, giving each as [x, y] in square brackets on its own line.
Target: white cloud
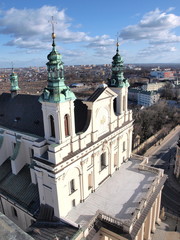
[156, 30]
[30, 28]
[157, 53]
[156, 50]
[155, 26]
[100, 41]
[170, 9]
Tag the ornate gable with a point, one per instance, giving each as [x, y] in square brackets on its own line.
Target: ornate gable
[101, 94]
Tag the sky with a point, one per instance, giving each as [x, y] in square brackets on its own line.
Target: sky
[86, 31]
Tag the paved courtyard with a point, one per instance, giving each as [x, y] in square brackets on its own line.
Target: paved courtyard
[169, 229]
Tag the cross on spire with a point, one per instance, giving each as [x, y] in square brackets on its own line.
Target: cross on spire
[53, 34]
[52, 21]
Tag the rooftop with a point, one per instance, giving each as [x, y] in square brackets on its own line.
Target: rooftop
[9, 230]
[49, 231]
[21, 113]
[118, 196]
[19, 187]
[148, 92]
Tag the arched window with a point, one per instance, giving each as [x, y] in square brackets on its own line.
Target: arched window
[115, 105]
[52, 126]
[124, 103]
[103, 161]
[66, 125]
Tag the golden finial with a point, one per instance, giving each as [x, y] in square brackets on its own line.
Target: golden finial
[53, 35]
[117, 42]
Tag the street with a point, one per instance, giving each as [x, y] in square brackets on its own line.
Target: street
[163, 158]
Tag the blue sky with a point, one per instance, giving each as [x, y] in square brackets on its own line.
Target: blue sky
[149, 31]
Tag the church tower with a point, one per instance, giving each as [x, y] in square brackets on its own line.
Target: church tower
[57, 100]
[118, 83]
[14, 83]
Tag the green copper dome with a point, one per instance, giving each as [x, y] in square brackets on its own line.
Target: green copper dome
[14, 82]
[54, 56]
[56, 91]
[117, 78]
[117, 58]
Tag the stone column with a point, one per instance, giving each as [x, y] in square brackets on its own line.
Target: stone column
[130, 142]
[81, 181]
[140, 235]
[95, 170]
[55, 200]
[40, 186]
[154, 216]
[120, 157]
[158, 220]
[148, 224]
[111, 158]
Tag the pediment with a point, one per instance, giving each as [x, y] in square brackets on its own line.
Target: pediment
[101, 94]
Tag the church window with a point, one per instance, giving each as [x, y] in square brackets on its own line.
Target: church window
[66, 125]
[124, 146]
[73, 203]
[102, 161]
[32, 152]
[52, 126]
[14, 212]
[115, 105]
[72, 186]
[116, 159]
[89, 181]
[124, 103]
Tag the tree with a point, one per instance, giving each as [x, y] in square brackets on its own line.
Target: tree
[167, 91]
[150, 120]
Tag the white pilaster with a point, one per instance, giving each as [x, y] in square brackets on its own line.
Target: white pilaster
[158, 220]
[154, 216]
[148, 224]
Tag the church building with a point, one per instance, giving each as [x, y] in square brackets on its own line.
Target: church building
[66, 165]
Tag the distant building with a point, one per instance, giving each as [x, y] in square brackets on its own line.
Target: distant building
[144, 98]
[148, 98]
[133, 94]
[153, 86]
[137, 68]
[76, 85]
[163, 74]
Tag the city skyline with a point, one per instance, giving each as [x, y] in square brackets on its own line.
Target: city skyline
[87, 33]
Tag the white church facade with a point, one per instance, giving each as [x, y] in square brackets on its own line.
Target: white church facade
[64, 159]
